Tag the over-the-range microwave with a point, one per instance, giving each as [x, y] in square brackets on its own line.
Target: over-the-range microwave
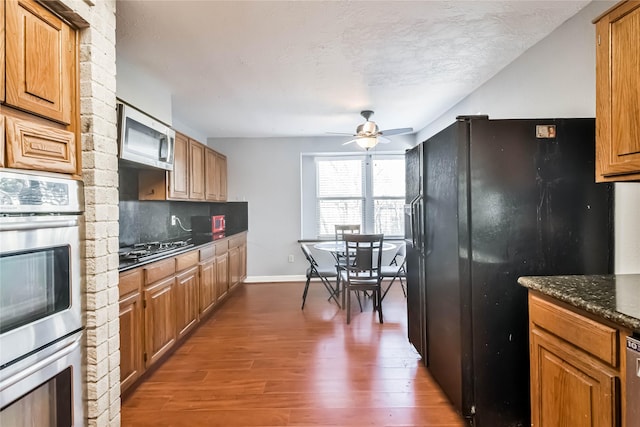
[143, 140]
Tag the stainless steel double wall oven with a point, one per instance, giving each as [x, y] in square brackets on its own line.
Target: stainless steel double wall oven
[40, 300]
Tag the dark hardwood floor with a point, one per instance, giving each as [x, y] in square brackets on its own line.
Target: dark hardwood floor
[261, 361]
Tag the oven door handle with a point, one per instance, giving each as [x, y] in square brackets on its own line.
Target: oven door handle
[74, 342]
[35, 224]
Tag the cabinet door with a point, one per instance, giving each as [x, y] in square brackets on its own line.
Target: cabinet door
[159, 319]
[243, 262]
[234, 266]
[40, 61]
[211, 175]
[186, 301]
[568, 387]
[179, 176]
[208, 291]
[221, 165]
[617, 89]
[196, 170]
[2, 56]
[222, 275]
[131, 346]
[2, 161]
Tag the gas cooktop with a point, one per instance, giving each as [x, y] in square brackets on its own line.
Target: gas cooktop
[149, 250]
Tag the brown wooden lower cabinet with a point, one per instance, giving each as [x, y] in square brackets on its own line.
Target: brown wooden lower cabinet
[208, 286]
[131, 338]
[577, 373]
[237, 260]
[162, 302]
[187, 307]
[222, 275]
[159, 319]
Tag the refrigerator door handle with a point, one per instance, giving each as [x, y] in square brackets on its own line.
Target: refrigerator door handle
[416, 224]
[413, 223]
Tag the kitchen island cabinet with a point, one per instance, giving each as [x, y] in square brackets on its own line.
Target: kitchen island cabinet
[617, 88]
[577, 329]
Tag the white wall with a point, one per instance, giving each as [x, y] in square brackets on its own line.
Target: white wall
[189, 131]
[139, 89]
[556, 78]
[266, 173]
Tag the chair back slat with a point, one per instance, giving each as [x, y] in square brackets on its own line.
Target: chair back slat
[364, 255]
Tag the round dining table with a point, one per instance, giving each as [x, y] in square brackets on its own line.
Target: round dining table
[337, 246]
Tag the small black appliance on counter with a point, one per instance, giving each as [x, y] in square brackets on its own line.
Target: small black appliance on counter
[207, 228]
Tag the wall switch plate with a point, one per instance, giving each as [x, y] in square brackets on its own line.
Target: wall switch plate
[291, 259]
[173, 220]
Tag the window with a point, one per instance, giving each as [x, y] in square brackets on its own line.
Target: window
[359, 189]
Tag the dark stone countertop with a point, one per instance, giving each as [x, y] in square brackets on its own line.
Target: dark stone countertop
[612, 297]
[130, 265]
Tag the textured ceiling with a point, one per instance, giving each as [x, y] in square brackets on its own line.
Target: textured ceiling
[304, 68]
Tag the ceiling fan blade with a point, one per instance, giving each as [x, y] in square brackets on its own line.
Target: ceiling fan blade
[395, 131]
[383, 140]
[349, 142]
[340, 133]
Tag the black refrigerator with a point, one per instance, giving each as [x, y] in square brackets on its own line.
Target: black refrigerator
[499, 199]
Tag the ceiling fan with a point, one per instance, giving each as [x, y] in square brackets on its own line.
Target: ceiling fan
[368, 134]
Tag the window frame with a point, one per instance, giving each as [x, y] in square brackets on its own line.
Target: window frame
[310, 199]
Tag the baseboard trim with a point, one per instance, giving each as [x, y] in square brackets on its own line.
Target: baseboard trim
[272, 279]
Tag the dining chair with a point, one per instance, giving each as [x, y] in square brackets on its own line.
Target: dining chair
[342, 230]
[396, 269]
[324, 273]
[362, 271]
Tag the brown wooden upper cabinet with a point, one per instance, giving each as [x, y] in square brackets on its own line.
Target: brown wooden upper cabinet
[617, 93]
[199, 174]
[40, 61]
[2, 56]
[196, 171]
[38, 74]
[179, 176]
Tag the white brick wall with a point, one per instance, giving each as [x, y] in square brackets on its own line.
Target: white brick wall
[100, 234]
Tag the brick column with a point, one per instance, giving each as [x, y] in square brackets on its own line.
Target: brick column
[97, 22]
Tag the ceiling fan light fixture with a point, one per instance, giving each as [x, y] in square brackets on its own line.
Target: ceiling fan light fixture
[367, 142]
[368, 128]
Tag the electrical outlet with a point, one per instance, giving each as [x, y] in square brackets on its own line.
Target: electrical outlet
[291, 259]
[173, 220]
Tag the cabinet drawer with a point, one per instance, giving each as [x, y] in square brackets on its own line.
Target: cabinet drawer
[130, 281]
[222, 247]
[159, 270]
[236, 241]
[207, 252]
[187, 260]
[36, 146]
[589, 335]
